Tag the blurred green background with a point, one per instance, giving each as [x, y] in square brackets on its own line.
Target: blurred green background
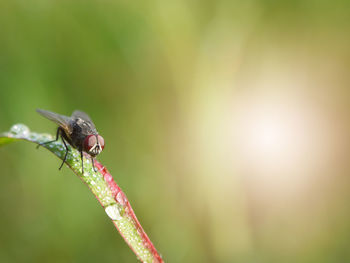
[226, 124]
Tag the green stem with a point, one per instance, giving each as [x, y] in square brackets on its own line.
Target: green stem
[102, 185]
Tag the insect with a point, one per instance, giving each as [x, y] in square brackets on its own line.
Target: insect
[79, 131]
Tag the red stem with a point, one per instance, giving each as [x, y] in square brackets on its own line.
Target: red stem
[121, 198]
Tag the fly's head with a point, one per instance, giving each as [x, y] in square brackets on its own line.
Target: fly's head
[93, 144]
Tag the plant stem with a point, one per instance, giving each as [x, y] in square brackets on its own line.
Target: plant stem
[102, 185]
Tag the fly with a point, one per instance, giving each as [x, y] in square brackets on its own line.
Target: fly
[79, 131]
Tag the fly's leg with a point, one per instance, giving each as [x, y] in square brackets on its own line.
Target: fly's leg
[93, 163]
[82, 162]
[57, 134]
[67, 150]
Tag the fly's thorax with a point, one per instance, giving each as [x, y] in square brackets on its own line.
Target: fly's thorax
[80, 129]
[93, 144]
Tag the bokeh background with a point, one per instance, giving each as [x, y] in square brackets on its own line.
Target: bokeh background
[226, 124]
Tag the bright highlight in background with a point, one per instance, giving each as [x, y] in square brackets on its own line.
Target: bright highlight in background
[271, 135]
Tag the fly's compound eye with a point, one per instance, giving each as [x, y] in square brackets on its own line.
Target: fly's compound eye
[90, 142]
[101, 141]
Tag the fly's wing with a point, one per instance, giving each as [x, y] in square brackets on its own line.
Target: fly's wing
[61, 120]
[88, 126]
[82, 115]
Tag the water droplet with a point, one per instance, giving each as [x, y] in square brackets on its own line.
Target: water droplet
[113, 212]
[20, 130]
[121, 198]
[139, 232]
[126, 210]
[46, 136]
[108, 178]
[33, 136]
